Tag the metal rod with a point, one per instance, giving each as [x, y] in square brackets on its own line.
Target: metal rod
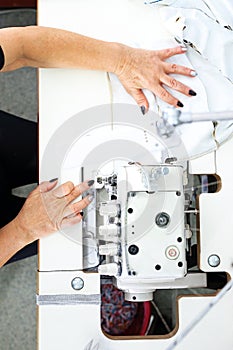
[210, 116]
[194, 211]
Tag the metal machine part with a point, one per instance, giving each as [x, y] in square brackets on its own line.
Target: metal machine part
[140, 229]
[172, 117]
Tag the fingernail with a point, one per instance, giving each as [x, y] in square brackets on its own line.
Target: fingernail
[193, 73]
[53, 180]
[183, 48]
[180, 104]
[91, 182]
[192, 93]
[90, 198]
[143, 110]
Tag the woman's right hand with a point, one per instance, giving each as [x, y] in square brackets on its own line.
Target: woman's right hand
[140, 69]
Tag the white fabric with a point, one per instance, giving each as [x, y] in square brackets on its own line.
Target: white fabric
[218, 10]
[155, 27]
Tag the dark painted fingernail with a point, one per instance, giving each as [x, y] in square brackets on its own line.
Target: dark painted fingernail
[193, 73]
[180, 104]
[90, 182]
[81, 213]
[143, 109]
[53, 180]
[192, 93]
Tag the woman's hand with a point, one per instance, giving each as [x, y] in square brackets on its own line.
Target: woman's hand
[48, 209]
[144, 69]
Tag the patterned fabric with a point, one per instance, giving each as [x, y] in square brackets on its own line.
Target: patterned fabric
[117, 314]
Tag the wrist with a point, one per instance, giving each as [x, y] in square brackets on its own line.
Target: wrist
[119, 57]
[23, 235]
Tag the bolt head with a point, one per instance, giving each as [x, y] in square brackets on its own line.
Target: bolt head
[133, 249]
[214, 260]
[162, 219]
[165, 170]
[77, 283]
[172, 252]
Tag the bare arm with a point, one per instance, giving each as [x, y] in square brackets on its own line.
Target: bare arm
[49, 47]
[137, 69]
[10, 242]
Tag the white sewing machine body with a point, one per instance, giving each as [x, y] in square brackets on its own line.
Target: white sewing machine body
[137, 228]
[147, 211]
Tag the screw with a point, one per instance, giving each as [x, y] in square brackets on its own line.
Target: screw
[99, 180]
[172, 252]
[111, 220]
[162, 219]
[133, 249]
[213, 260]
[77, 283]
[165, 171]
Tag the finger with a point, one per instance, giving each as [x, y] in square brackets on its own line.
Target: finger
[176, 69]
[46, 186]
[140, 99]
[80, 188]
[166, 53]
[165, 96]
[64, 189]
[83, 186]
[78, 206]
[177, 85]
[67, 222]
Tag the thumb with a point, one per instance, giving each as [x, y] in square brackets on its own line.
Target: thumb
[46, 186]
[141, 99]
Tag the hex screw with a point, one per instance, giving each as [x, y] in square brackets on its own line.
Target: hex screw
[162, 219]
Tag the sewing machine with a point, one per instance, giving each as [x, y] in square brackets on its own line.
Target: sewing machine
[160, 221]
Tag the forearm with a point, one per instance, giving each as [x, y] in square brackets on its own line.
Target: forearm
[49, 47]
[137, 69]
[11, 241]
